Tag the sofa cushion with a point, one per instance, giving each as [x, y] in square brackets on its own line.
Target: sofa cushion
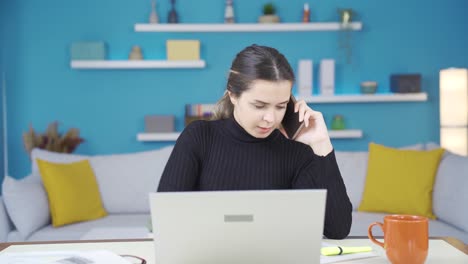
[353, 167]
[450, 197]
[72, 191]
[26, 203]
[126, 180]
[128, 222]
[51, 157]
[400, 181]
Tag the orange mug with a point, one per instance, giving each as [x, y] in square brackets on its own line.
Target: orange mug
[406, 238]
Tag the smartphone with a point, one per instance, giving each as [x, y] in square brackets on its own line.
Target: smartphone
[290, 123]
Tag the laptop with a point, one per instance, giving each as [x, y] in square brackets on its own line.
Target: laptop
[238, 227]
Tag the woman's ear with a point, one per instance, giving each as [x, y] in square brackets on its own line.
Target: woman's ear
[232, 97]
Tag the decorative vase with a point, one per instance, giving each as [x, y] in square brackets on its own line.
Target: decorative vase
[306, 13]
[135, 53]
[368, 87]
[229, 12]
[153, 19]
[173, 16]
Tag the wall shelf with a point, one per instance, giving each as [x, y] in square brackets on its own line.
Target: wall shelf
[158, 136]
[246, 27]
[366, 98]
[347, 133]
[136, 64]
[351, 133]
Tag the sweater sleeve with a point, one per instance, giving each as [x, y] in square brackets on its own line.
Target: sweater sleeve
[323, 173]
[182, 169]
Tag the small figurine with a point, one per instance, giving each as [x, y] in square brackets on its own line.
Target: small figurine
[229, 12]
[135, 53]
[172, 17]
[153, 19]
[306, 13]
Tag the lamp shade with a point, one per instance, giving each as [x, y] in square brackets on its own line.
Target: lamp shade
[455, 139]
[453, 97]
[454, 110]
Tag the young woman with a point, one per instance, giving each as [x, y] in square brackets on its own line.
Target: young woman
[243, 149]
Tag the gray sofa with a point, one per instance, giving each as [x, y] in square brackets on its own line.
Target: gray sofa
[449, 197]
[126, 179]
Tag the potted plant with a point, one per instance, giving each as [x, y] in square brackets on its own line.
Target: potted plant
[52, 140]
[346, 16]
[269, 14]
[344, 38]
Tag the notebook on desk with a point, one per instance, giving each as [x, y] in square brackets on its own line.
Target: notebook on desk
[233, 227]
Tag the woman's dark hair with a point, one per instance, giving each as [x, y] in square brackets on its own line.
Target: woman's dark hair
[252, 63]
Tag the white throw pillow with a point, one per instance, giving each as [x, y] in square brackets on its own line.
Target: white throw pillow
[353, 168]
[418, 146]
[450, 197]
[26, 199]
[125, 180]
[27, 204]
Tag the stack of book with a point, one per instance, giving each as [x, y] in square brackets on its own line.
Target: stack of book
[198, 112]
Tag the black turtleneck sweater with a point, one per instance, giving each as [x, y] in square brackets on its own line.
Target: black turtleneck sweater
[221, 155]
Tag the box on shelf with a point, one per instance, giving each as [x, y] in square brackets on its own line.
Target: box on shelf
[305, 78]
[327, 77]
[89, 50]
[183, 49]
[405, 83]
[159, 123]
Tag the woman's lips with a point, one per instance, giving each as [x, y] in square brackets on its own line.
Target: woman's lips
[264, 130]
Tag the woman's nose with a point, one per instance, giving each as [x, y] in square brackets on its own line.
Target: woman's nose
[269, 117]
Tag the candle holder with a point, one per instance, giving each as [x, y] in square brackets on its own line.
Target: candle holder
[173, 17]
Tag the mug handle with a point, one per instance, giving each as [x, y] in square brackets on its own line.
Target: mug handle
[371, 236]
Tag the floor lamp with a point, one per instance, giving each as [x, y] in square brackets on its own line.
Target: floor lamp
[5, 131]
[454, 110]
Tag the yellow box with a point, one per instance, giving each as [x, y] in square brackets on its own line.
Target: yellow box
[183, 49]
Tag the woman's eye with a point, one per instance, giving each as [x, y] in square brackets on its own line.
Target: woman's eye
[281, 107]
[259, 106]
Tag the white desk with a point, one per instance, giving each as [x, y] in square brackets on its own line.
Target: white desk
[116, 233]
[439, 250]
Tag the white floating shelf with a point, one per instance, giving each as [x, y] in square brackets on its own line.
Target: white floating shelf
[348, 133]
[247, 27]
[135, 64]
[158, 136]
[366, 98]
[351, 133]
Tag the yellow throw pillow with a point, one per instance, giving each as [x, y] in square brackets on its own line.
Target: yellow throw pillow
[400, 181]
[72, 190]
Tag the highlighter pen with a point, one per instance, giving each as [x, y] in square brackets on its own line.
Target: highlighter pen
[333, 251]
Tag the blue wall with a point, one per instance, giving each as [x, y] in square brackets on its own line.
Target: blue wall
[3, 20]
[109, 106]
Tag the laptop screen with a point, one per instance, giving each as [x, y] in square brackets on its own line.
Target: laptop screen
[278, 226]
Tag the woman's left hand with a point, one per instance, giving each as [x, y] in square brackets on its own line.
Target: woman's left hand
[314, 133]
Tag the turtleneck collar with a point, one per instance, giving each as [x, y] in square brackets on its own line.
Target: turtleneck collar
[236, 131]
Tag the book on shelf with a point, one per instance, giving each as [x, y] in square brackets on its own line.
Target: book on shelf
[199, 109]
[198, 112]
